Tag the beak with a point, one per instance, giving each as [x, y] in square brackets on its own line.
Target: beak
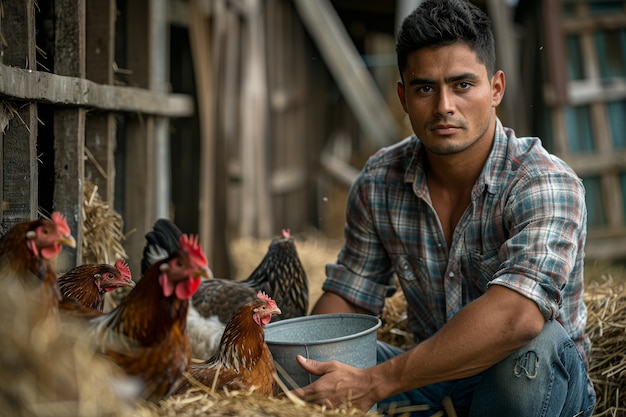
[110, 286]
[205, 272]
[67, 240]
[275, 310]
[126, 283]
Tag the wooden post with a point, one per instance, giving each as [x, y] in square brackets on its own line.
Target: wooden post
[18, 120]
[100, 126]
[140, 150]
[201, 45]
[256, 204]
[69, 123]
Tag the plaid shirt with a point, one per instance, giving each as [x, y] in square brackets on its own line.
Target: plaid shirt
[525, 229]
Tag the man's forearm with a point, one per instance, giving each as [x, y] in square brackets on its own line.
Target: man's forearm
[480, 335]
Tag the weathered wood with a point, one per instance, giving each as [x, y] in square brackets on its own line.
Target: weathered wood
[349, 71]
[100, 126]
[201, 36]
[338, 169]
[139, 215]
[57, 89]
[18, 129]
[513, 105]
[556, 51]
[582, 92]
[69, 123]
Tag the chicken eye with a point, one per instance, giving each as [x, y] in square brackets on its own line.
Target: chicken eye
[109, 276]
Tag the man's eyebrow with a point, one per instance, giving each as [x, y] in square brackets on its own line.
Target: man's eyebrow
[451, 79]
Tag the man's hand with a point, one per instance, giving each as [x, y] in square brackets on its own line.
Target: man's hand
[340, 385]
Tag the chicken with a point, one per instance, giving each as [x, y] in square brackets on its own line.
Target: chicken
[280, 274]
[243, 360]
[29, 250]
[86, 285]
[145, 334]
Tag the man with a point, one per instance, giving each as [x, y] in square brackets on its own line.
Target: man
[486, 234]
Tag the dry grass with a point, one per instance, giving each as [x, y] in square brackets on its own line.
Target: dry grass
[204, 402]
[47, 370]
[606, 325]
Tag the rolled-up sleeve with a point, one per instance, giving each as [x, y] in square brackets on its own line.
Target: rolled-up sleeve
[547, 214]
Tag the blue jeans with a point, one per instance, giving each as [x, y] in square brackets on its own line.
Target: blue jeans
[545, 378]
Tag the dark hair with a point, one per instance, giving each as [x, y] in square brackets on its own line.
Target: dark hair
[436, 23]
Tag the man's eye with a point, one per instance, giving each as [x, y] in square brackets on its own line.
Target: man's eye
[425, 89]
[464, 85]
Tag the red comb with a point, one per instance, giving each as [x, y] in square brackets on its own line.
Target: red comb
[267, 298]
[60, 223]
[191, 245]
[286, 233]
[122, 266]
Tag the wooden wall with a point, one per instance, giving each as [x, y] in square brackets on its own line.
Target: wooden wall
[59, 62]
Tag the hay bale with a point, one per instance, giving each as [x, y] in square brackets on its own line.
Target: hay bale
[102, 229]
[606, 326]
[49, 370]
[394, 329]
[204, 402]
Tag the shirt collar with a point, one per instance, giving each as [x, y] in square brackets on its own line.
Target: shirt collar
[488, 178]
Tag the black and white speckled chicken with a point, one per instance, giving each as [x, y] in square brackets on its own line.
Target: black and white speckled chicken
[280, 274]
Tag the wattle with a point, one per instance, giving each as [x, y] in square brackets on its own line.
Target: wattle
[50, 252]
[185, 289]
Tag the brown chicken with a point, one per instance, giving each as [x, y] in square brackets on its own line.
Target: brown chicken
[145, 334]
[279, 274]
[86, 285]
[29, 250]
[243, 360]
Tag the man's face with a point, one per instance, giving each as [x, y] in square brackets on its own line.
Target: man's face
[449, 98]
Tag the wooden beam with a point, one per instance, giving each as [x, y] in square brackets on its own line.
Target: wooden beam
[18, 125]
[69, 124]
[58, 89]
[140, 147]
[581, 92]
[100, 126]
[555, 50]
[348, 69]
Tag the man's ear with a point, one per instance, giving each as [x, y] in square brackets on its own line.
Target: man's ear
[498, 85]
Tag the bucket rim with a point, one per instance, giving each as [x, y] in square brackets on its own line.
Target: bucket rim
[376, 323]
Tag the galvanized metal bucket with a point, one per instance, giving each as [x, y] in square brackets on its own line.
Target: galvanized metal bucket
[348, 338]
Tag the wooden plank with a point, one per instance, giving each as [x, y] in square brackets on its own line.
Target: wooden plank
[139, 211]
[69, 123]
[597, 163]
[257, 209]
[202, 44]
[555, 50]
[100, 126]
[601, 247]
[57, 89]
[582, 92]
[353, 78]
[514, 105]
[612, 200]
[18, 133]
[589, 23]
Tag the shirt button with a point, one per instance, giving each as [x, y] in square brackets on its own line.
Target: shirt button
[451, 274]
